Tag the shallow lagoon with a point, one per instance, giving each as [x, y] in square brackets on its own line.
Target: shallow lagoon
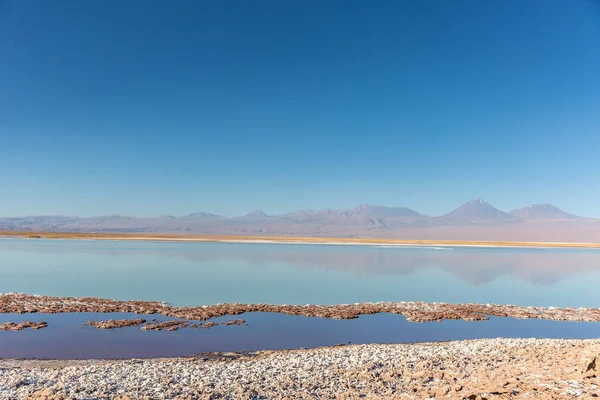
[208, 273]
[66, 338]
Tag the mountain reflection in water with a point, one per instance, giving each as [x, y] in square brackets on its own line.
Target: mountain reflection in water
[358, 273]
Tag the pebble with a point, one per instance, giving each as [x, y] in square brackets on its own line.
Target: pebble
[477, 369]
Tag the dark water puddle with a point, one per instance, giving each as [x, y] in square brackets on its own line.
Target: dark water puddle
[65, 338]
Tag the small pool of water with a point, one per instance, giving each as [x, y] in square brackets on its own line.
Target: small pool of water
[65, 338]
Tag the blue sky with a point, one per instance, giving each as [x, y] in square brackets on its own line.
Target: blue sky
[149, 108]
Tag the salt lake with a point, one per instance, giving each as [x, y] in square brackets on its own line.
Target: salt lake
[195, 274]
[209, 273]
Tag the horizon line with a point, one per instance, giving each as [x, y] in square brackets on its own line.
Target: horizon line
[473, 200]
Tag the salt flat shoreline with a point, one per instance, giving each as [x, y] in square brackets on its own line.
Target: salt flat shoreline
[290, 240]
[467, 369]
[470, 369]
[413, 311]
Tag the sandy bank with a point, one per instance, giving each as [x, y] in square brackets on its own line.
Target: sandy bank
[288, 240]
[479, 369]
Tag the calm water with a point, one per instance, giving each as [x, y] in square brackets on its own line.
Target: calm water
[65, 338]
[208, 273]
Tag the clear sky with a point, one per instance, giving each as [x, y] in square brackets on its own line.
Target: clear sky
[156, 107]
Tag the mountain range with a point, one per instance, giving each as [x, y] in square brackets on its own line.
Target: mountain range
[474, 220]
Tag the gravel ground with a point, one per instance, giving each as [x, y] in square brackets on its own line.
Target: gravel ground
[490, 368]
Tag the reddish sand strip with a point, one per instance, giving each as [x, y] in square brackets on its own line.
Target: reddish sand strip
[286, 239]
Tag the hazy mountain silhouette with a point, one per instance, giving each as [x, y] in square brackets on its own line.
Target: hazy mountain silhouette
[363, 215]
[385, 212]
[543, 212]
[474, 212]
[474, 220]
[203, 216]
[254, 216]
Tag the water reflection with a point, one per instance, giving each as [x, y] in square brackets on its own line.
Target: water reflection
[189, 273]
[475, 266]
[64, 337]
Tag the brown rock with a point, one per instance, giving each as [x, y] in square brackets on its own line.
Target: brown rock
[170, 326]
[116, 323]
[590, 368]
[11, 326]
[418, 374]
[236, 322]
[442, 391]
[474, 396]
[439, 375]
[45, 394]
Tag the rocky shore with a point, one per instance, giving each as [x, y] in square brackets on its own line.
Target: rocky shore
[116, 323]
[413, 311]
[12, 326]
[478, 369]
[154, 325]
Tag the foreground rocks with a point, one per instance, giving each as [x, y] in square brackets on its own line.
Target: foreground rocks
[413, 311]
[479, 369]
[116, 323]
[11, 326]
[154, 325]
[170, 326]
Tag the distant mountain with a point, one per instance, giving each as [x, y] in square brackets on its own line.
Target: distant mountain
[363, 215]
[332, 218]
[259, 214]
[253, 217]
[476, 211]
[475, 220]
[204, 216]
[32, 222]
[543, 212]
[385, 212]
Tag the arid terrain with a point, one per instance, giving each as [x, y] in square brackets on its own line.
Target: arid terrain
[478, 369]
